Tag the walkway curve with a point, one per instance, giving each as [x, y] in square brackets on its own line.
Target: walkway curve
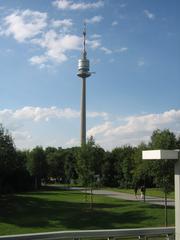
[121, 195]
[131, 197]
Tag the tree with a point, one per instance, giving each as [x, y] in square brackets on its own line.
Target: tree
[70, 165]
[163, 139]
[86, 163]
[49, 150]
[109, 170]
[142, 169]
[21, 179]
[7, 158]
[124, 165]
[163, 171]
[55, 160]
[37, 165]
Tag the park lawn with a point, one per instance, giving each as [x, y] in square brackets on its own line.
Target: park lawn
[154, 192]
[56, 210]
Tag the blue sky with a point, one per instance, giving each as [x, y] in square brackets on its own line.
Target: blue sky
[133, 46]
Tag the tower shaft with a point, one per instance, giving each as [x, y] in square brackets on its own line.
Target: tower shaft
[83, 73]
[83, 112]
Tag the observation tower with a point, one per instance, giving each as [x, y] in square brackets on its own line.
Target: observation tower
[83, 73]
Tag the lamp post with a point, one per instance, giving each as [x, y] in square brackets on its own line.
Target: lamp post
[169, 155]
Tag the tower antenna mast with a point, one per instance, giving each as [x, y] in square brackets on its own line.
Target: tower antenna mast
[84, 40]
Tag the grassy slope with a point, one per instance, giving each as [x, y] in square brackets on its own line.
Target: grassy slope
[66, 210]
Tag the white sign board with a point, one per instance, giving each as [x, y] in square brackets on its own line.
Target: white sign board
[159, 154]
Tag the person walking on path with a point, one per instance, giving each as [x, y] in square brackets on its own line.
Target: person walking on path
[135, 191]
[143, 191]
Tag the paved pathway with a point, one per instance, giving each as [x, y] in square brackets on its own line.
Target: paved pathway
[131, 197]
[125, 196]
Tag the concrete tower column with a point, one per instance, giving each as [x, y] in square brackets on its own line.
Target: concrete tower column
[83, 73]
[177, 197]
[83, 112]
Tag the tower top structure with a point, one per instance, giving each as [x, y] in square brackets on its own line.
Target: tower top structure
[83, 63]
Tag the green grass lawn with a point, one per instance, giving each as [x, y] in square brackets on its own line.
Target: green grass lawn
[155, 192]
[55, 210]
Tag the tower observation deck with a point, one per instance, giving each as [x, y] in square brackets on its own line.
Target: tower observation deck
[83, 73]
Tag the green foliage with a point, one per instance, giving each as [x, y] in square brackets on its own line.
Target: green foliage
[163, 140]
[163, 171]
[85, 164]
[21, 179]
[13, 172]
[7, 159]
[37, 165]
[70, 166]
[55, 162]
[7, 152]
[109, 170]
[89, 163]
[142, 174]
[124, 163]
[122, 167]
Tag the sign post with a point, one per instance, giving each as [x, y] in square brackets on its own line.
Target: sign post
[169, 155]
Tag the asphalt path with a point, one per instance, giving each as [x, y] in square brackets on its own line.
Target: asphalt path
[131, 197]
[124, 196]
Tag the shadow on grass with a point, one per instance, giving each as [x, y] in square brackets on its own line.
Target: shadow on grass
[34, 211]
[155, 206]
[48, 190]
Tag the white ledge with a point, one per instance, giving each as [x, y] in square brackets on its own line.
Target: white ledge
[160, 154]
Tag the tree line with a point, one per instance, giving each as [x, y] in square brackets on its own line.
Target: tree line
[89, 165]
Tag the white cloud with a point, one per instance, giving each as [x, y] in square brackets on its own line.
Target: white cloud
[23, 123]
[100, 129]
[37, 113]
[28, 125]
[123, 49]
[65, 23]
[21, 135]
[140, 63]
[106, 50]
[97, 114]
[30, 27]
[38, 60]
[23, 25]
[95, 36]
[44, 114]
[149, 15]
[109, 134]
[95, 19]
[95, 43]
[134, 129]
[74, 5]
[114, 23]
[72, 142]
[56, 45]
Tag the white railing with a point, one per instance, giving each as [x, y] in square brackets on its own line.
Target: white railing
[140, 233]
